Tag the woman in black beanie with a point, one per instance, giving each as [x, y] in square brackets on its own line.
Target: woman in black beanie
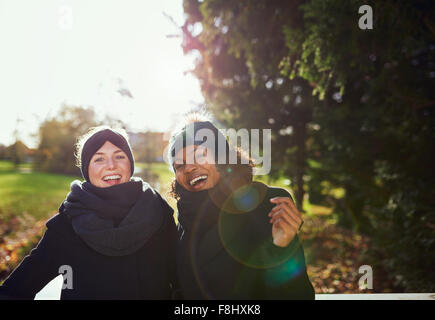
[114, 235]
[237, 237]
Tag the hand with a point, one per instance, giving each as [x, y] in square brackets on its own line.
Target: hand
[286, 221]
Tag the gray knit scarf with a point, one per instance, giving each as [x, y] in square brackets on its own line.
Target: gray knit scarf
[118, 220]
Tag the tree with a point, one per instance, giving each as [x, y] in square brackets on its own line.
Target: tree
[148, 146]
[58, 136]
[17, 152]
[368, 127]
[377, 121]
[241, 81]
[2, 151]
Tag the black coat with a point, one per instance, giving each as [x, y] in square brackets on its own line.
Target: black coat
[147, 273]
[238, 260]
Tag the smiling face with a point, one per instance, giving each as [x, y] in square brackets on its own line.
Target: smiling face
[109, 166]
[201, 175]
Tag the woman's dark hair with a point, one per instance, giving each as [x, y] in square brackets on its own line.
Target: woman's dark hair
[232, 175]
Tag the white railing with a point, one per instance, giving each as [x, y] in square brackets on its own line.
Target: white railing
[52, 292]
[377, 296]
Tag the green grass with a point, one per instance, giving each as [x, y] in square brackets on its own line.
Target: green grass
[165, 176]
[161, 169]
[35, 193]
[6, 166]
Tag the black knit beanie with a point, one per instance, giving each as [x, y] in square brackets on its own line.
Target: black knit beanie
[96, 141]
[187, 136]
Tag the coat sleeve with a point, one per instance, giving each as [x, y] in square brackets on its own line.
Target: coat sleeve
[35, 271]
[173, 239]
[171, 236]
[288, 280]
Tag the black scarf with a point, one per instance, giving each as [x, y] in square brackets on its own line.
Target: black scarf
[212, 220]
[117, 220]
[112, 203]
[198, 213]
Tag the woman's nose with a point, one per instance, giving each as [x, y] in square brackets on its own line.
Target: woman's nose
[189, 168]
[111, 164]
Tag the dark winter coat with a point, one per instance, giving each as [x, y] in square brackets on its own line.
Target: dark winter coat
[146, 273]
[232, 256]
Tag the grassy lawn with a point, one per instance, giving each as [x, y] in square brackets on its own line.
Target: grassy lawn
[159, 168]
[34, 193]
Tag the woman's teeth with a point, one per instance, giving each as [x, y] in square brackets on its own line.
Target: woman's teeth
[114, 177]
[193, 181]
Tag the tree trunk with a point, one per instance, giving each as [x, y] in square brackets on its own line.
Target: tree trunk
[301, 137]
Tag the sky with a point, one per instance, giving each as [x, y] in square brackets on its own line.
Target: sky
[81, 52]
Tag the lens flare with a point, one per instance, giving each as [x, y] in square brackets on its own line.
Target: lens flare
[244, 233]
[284, 273]
[246, 199]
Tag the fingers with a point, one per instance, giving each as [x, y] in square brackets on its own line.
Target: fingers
[287, 206]
[287, 218]
[285, 201]
[286, 221]
[283, 207]
[278, 200]
[284, 226]
[283, 233]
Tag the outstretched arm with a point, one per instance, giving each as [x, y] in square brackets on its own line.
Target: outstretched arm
[34, 272]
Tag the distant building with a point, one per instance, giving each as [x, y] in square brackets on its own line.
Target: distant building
[148, 146]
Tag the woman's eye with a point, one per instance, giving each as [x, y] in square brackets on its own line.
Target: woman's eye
[98, 159]
[120, 157]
